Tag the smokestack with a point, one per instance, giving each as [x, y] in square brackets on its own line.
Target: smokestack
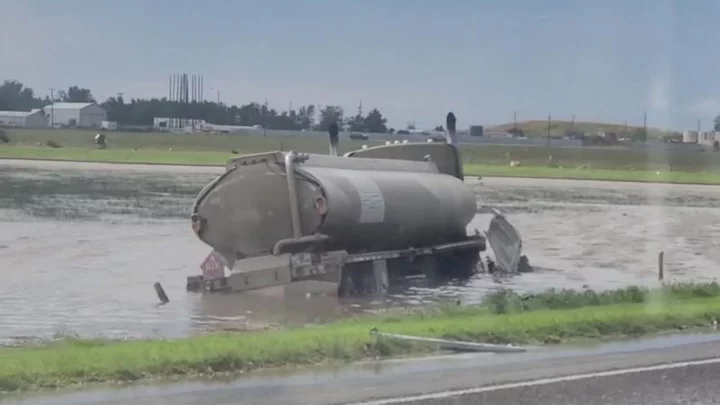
[334, 130]
[450, 125]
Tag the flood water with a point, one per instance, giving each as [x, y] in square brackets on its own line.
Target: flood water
[81, 246]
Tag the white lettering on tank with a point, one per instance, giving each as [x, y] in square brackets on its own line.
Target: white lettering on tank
[372, 203]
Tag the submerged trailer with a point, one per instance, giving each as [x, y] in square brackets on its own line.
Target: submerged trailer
[364, 220]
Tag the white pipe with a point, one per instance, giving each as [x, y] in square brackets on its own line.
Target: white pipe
[453, 344]
[292, 190]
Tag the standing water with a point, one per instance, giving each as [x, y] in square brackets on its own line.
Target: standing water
[81, 246]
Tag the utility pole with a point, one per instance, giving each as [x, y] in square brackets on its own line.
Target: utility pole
[514, 119]
[360, 109]
[218, 96]
[548, 130]
[265, 117]
[52, 108]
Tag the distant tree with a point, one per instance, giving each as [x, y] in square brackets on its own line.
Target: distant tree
[391, 131]
[75, 94]
[306, 116]
[328, 115]
[60, 95]
[439, 128]
[410, 126]
[14, 96]
[141, 112]
[356, 123]
[374, 122]
[717, 123]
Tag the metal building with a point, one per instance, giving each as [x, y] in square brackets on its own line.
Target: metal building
[24, 119]
[81, 115]
[690, 137]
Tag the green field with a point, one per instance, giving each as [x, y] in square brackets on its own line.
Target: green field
[482, 160]
[505, 317]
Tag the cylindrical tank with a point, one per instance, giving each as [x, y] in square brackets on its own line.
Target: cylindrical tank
[690, 137]
[379, 210]
[361, 204]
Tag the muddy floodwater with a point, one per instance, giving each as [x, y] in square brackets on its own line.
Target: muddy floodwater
[81, 246]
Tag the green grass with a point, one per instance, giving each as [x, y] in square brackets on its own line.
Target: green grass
[117, 155]
[484, 160]
[185, 157]
[644, 176]
[551, 317]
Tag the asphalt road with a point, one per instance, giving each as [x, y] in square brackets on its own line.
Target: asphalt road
[667, 370]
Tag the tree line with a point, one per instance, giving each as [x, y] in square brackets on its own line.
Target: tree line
[15, 96]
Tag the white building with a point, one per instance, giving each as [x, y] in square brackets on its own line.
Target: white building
[82, 115]
[186, 124]
[24, 119]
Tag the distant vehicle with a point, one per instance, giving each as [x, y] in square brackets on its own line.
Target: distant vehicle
[359, 136]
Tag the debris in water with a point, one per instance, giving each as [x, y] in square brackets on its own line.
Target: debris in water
[453, 344]
[161, 294]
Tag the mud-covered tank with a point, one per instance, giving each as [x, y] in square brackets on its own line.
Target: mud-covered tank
[360, 204]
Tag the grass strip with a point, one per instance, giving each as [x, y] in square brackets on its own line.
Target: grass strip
[204, 158]
[639, 176]
[524, 319]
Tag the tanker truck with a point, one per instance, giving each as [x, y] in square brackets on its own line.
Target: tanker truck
[364, 220]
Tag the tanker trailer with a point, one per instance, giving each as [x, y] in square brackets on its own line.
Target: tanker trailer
[357, 220]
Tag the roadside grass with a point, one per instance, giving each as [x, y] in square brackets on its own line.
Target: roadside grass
[505, 317]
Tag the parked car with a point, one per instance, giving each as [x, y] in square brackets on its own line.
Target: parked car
[359, 136]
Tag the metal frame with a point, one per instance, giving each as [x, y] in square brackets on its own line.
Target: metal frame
[304, 266]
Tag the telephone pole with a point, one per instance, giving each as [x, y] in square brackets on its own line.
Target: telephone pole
[548, 130]
[52, 108]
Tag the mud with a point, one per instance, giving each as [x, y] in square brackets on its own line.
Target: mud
[81, 246]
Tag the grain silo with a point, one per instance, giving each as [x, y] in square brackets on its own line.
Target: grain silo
[690, 137]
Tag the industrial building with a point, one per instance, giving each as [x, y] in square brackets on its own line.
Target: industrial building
[24, 119]
[81, 115]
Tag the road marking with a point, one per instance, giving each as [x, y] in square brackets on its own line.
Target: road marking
[542, 381]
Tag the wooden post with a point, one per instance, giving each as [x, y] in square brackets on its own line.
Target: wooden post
[661, 266]
[161, 293]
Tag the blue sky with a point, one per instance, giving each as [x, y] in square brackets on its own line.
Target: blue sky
[413, 59]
